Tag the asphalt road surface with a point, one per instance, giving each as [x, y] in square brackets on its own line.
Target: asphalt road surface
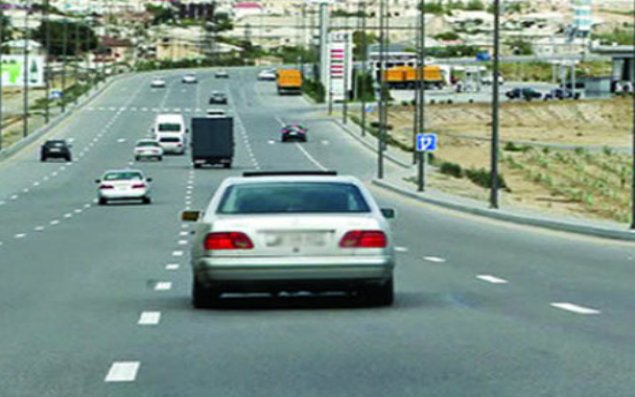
[95, 301]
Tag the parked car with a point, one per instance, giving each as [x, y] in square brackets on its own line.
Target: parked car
[293, 132]
[489, 79]
[218, 98]
[526, 93]
[148, 149]
[221, 74]
[126, 184]
[561, 93]
[58, 149]
[292, 231]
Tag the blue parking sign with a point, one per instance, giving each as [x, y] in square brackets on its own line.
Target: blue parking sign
[426, 142]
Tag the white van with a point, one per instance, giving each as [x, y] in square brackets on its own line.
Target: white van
[170, 131]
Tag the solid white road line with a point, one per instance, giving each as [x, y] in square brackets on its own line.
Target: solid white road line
[401, 249]
[491, 279]
[171, 266]
[149, 318]
[123, 371]
[433, 259]
[163, 286]
[574, 308]
[311, 158]
[177, 253]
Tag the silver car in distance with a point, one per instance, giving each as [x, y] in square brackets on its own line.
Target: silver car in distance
[123, 185]
[292, 231]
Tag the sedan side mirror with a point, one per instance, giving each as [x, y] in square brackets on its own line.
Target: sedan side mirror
[149, 179]
[151, 129]
[389, 213]
[190, 216]
[97, 181]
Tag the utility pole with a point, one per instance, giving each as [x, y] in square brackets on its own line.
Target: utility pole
[64, 50]
[25, 74]
[363, 88]
[1, 70]
[415, 117]
[495, 107]
[77, 51]
[47, 64]
[347, 65]
[421, 93]
[632, 71]
[382, 103]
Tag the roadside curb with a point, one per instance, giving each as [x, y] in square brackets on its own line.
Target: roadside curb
[35, 135]
[589, 230]
[370, 146]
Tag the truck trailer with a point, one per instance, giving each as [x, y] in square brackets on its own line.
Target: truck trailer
[212, 141]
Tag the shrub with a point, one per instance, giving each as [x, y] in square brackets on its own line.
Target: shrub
[512, 147]
[483, 178]
[452, 169]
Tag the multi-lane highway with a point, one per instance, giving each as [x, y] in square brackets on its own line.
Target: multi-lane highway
[95, 301]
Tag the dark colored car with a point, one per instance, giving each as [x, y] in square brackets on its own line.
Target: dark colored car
[523, 93]
[293, 132]
[59, 149]
[561, 93]
[218, 98]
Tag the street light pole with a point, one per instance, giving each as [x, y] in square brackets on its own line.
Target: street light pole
[495, 108]
[632, 71]
[77, 50]
[1, 69]
[346, 71]
[421, 158]
[47, 67]
[363, 88]
[382, 104]
[25, 74]
[64, 50]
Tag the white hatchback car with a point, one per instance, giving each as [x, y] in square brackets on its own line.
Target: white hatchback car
[189, 79]
[148, 149]
[127, 184]
[292, 231]
[157, 83]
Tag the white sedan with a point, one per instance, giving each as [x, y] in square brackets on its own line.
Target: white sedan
[127, 184]
[157, 83]
[267, 75]
[292, 231]
[148, 149]
[189, 79]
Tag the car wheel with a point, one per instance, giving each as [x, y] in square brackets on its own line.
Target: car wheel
[68, 159]
[203, 297]
[136, 158]
[379, 295]
[197, 165]
[227, 165]
[159, 158]
[146, 200]
[103, 201]
[42, 158]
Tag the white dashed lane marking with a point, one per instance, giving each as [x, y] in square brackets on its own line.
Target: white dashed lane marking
[123, 371]
[491, 279]
[171, 266]
[20, 235]
[177, 253]
[401, 249]
[183, 233]
[163, 286]
[55, 222]
[182, 242]
[574, 308]
[39, 228]
[149, 318]
[435, 259]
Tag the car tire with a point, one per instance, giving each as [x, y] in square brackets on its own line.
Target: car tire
[69, 159]
[146, 200]
[379, 295]
[197, 165]
[227, 165]
[159, 158]
[102, 201]
[42, 158]
[136, 158]
[203, 297]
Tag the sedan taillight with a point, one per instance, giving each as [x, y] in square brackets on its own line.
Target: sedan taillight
[227, 241]
[364, 239]
[106, 187]
[139, 186]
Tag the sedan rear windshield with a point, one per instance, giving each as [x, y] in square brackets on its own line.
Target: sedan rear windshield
[147, 143]
[288, 197]
[169, 127]
[55, 144]
[117, 176]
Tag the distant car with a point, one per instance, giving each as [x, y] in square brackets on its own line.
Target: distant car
[267, 75]
[172, 143]
[58, 149]
[216, 113]
[218, 98]
[526, 93]
[292, 231]
[126, 184]
[561, 93]
[157, 83]
[293, 132]
[489, 80]
[221, 74]
[189, 79]
[148, 149]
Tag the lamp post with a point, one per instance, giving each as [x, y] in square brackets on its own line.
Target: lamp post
[1, 75]
[632, 71]
[64, 50]
[25, 74]
[495, 108]
[47, 65]
[382, 103]
[421, 157]
[363, 88]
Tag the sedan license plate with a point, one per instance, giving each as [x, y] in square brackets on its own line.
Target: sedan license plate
[306, 239]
